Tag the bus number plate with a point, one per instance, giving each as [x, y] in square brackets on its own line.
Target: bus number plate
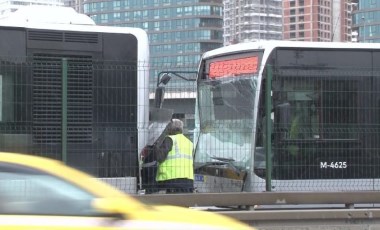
[334, 165]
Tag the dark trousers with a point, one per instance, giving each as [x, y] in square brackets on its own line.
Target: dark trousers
[180, 185]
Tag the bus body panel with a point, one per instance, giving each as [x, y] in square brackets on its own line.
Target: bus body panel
[334, 84]
[115, 127]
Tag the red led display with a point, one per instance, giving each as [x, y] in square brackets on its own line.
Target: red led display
[234, 67]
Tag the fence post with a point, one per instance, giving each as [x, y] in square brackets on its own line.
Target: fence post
[268, 139]
[64, 110]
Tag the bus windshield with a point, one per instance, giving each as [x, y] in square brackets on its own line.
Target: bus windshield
[226, 108]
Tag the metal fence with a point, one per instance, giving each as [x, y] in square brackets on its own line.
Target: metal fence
[326, 128]
[318, 127]
[89, 113]
[82, 111]
[324, 125]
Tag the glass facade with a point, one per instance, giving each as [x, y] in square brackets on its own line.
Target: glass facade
[367, 20]
[179, 31]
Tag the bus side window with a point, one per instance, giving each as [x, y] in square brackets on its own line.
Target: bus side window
[6, 98]
[282, 118]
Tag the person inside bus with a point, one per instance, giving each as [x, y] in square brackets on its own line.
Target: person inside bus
[174, 155]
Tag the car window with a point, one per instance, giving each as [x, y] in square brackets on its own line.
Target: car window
[29, 191]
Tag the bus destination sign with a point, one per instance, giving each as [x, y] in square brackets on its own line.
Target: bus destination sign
[233, 67]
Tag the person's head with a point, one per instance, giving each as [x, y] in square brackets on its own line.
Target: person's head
[175, 127]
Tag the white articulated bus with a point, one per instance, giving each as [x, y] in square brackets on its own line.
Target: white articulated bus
[99, 122]
[318, 104]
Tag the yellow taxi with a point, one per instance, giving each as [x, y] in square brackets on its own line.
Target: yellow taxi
[39, 193]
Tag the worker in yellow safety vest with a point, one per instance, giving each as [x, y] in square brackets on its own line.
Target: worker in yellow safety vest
[174, 155]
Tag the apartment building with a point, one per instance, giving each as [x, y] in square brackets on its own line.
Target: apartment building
[317, 20]
[251, 20]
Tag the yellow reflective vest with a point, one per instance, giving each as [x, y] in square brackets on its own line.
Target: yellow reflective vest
[179, 162]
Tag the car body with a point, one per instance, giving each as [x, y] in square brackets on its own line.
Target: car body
[40, 193]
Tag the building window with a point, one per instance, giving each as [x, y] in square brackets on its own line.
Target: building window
[145, 25]
[301, 18]
[116, 5]
[292, 12]
[137, 15]
[292, 19]
[301, 34]
[127, 4]
[188, 10]
[372, 30]
[292, 35]
[292, 3]
[301, 10]
[165, 12]
[179, 11]
[301, 3]
[301, 26]
[178, 24]
[156, 26]
[145, 14]
[102, 5]
[116, 16]
[293, 27]
[104, 18]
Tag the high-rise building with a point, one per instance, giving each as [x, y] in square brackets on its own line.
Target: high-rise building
[354, 29]
[317, 20]
[9, 6]
[342, 21]
[252, 20]
[179, 30]
[367, 21]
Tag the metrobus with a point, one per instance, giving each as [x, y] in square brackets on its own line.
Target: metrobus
[288, 116]
[99, 122]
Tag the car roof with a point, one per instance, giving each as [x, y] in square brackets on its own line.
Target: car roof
[74, 176]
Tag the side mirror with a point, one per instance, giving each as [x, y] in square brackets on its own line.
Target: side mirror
[159, 96]
[164, 79]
